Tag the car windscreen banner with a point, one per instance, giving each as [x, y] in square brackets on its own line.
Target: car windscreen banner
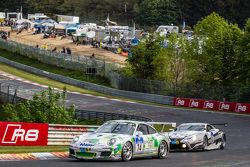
[212, 105]
[23, 134]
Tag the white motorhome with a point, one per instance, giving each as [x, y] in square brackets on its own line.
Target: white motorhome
[37, 16]
[68, 19]
[14, 16]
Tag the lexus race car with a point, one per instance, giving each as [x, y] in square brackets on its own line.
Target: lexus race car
[197, 136]
[120, 140]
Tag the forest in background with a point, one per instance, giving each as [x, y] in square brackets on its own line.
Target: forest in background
[146, 13]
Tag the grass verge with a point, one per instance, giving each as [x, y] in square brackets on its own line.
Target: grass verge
[79, 75]
[59, 85]
[43, 80]
[31, 149]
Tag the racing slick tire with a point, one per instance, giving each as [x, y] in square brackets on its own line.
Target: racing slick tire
[163, 150]
[205, 143]
[223, 142]
[127, 151]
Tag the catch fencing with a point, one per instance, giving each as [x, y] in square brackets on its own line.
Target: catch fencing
[67, 61]
[108, 69]
[107, 116]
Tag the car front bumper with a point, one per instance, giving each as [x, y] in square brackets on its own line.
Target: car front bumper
[93, 153]
[176, 144]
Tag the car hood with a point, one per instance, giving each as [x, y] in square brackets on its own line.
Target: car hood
[92, 139]
[183, 134]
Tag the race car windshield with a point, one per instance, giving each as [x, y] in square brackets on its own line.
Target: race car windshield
[191, 128]
[117, 127]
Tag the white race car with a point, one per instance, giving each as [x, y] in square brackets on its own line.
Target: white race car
[195, 136]
[120, 140]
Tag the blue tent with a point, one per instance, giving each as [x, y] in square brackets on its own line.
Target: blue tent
[135, 42]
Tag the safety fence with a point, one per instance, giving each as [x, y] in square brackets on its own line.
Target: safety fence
[39, 134]
[42, 134]
[67, 61]
[107, 116]
[63, 134]
[86, 85]
[9, 94]
[108, 70]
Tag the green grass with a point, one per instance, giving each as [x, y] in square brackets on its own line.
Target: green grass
[56, 84]
[79, 75]
[43, 80]
[31, 149]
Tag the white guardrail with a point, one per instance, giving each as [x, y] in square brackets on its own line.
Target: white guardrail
[63, 134]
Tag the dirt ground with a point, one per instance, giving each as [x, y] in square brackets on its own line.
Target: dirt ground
[28, 38]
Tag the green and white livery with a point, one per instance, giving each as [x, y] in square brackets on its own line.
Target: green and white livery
[121, 140]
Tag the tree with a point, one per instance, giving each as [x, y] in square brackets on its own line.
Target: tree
[141, 61]
[244, 68]
[174, 64]
[219, 41]
[157, 12]
[47, 106]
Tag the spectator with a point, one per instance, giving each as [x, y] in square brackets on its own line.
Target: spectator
[54, 50]
[63, 50]
[92, 56]
[37, 46]
[68, 51]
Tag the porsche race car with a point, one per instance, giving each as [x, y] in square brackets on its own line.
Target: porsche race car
[197, 136]
[121, 140]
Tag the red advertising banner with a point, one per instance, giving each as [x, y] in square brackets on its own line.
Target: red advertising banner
[23, 134]
[212, 105]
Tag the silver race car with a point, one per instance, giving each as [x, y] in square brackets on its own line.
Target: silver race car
[120, 140]
[197, 136]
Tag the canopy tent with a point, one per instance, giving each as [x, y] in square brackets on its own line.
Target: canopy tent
[26, 22]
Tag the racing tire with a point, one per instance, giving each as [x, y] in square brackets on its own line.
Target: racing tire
[163, 150]
[205, 143]
[223, 142]
[127, 152]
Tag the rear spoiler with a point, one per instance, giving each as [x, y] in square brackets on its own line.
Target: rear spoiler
[163, 126]
[220, 124]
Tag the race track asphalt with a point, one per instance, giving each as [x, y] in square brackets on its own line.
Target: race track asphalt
[236, 154]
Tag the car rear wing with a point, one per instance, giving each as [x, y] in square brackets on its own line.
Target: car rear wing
[163, 126]
[219, 124]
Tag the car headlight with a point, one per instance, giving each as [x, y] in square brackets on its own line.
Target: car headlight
[75, 139]
[112, 141]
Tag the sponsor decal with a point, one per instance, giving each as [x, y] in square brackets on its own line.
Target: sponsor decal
[180, 102]
[139, 144]
[212, 105]
[193, 103]
[208, 105]
[86, 145]
[23, 134]
[240, 108]
[223, 106]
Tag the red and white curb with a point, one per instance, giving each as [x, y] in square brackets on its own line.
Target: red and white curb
[33, 156]
[45, 86]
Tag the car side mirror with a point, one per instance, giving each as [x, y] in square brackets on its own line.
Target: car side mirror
[138, 133]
